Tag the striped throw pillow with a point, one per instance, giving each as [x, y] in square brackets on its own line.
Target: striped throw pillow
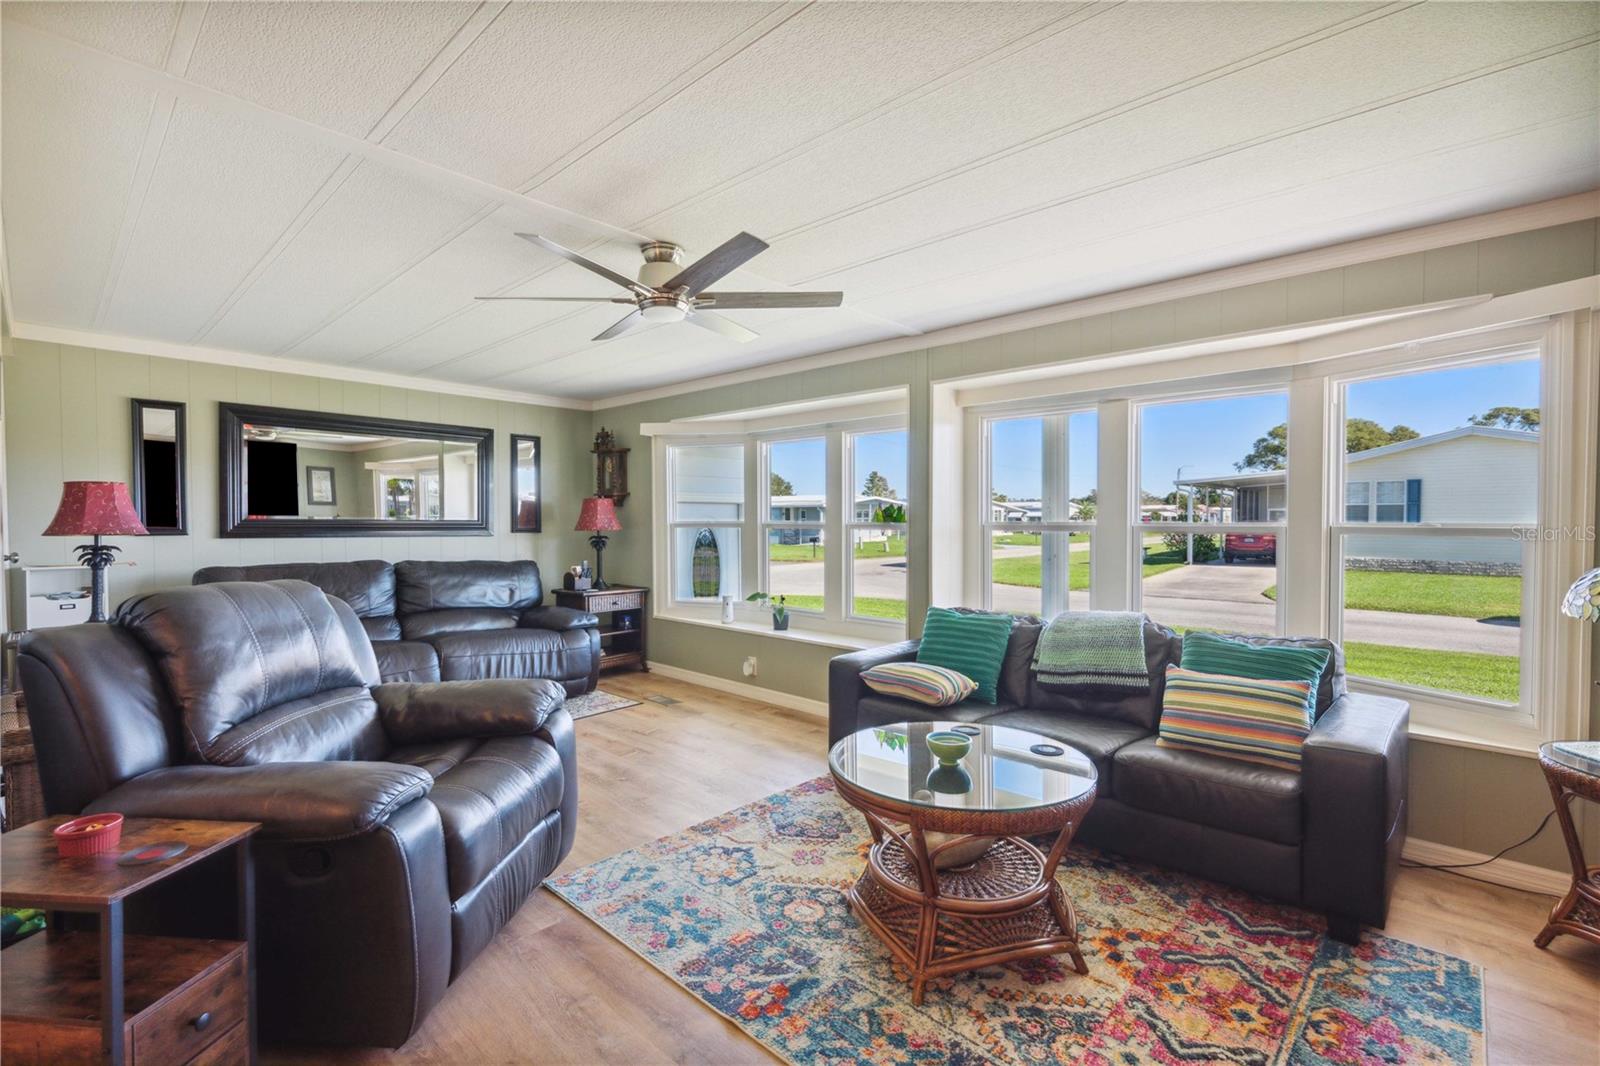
[968, 642]
[1208, 653]
[1255, 719]
[933, 685]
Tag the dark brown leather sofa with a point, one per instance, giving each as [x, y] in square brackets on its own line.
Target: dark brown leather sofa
[1328, 838]
[403, 824]
[451, 621]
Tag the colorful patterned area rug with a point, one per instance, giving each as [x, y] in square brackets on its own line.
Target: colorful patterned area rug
[746, 912]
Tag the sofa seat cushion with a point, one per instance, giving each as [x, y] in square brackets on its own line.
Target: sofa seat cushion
[425, 624]
[1241, 797]
[1098, 738]
[385, 627]
[534, 653]
[406, 660]
[875, 711]
[490, 800]
[438, 757]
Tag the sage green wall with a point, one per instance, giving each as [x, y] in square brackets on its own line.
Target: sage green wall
[1463, 797]
[347, 490]
[67, 417]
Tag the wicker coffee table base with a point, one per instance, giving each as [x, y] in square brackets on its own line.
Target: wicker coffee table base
[1004, 906]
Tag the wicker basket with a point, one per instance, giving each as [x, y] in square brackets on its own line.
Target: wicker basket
[24, 801]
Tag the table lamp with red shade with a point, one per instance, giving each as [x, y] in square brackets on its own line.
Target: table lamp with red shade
[599, 516]
[96, 509]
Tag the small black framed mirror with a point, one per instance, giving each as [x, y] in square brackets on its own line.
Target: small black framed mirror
[159, 484]
[525, 494]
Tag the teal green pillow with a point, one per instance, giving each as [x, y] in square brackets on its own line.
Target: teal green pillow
[970, 643]
[1208, 653]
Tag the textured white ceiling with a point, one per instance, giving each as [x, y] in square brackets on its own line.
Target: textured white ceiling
[335, 182]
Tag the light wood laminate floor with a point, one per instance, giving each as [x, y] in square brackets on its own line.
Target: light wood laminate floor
[554, 988]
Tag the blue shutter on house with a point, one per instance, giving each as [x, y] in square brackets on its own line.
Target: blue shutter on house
[1414, 499]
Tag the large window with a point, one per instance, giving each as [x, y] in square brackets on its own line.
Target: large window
[1213, 479]
[826, 528]
[876, 525]
[706, 522]
[1448, 461]
[1039, 502]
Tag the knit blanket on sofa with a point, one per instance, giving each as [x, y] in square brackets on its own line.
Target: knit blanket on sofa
[1092, 648]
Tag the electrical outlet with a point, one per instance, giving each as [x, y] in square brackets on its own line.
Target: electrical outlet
[749, 666]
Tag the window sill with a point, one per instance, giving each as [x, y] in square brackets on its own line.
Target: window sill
[847, 641]
[1463, 723]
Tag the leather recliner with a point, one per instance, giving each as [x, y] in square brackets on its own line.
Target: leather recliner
[1328, 837]
[451, 621]
[402, 824]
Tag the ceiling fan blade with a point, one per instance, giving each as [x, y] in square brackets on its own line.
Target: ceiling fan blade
[564, 299]
[722, 260]
[587, 264]
[725, 326]
[769, 299]
[620, 327]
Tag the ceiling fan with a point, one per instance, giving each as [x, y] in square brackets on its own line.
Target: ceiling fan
[666, 292]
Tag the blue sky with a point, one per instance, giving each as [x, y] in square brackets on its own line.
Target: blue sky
[1209, 436]
[804, 462]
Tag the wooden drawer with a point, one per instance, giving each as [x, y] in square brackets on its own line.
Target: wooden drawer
[230, 1049]
[194, 1016]
[614, 601]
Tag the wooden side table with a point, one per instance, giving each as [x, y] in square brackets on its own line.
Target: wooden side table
[622, 622]
[113, 997]
[1570, 775]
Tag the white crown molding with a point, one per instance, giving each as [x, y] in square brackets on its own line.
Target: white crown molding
[276, 364]
[1507, 872]
[1541, 215]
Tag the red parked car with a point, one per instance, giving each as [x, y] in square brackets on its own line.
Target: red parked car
[1262, 546]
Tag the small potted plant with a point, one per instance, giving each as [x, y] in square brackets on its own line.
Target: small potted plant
[780, 613]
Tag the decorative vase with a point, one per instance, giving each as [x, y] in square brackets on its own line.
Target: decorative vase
[948, 746]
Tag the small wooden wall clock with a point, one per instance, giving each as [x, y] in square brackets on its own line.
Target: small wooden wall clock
[610, 467]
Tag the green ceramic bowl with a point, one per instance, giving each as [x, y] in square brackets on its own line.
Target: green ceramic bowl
[948, 747]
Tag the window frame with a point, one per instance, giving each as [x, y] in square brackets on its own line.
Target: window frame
[673, 523]
[765, 524]
[851, 525]
[1061, 459]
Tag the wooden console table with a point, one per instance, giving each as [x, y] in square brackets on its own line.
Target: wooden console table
[622, 622]
[106, 996]
[1578, 912]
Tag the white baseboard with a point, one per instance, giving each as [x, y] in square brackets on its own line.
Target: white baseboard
[739, 688]
[1506, 872]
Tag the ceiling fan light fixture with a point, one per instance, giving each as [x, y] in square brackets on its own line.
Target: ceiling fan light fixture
[663, 309]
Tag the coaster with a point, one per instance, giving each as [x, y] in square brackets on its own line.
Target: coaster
[1047, 749]
[159, 852]
[969, 730]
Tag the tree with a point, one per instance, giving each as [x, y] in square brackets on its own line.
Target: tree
[1000, 497]
[781, 486]
[878, 485]
[1524, 418]
[1271, 451]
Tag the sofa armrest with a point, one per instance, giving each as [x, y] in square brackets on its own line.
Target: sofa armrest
[557, 618]
[1354, 776]
[425, 712]
[292, 800]
[844, 682]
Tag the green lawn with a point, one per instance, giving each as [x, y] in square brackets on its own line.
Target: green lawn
[866, 606]
[804, 553]
[1473, 673]
[1456, 595]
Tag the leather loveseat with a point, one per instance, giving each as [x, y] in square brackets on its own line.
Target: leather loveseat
[1327, 838]
[451, 621]
[402, 824]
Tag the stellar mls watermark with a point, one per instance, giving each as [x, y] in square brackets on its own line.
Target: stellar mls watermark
[1585, 534]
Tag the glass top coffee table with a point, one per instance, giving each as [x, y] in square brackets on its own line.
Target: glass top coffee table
[950, 882]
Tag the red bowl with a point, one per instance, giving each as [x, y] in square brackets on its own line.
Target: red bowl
[89, 835]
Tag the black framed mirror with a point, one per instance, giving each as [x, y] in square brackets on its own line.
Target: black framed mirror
[292, 473]
[525, 494]
[160, 480]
